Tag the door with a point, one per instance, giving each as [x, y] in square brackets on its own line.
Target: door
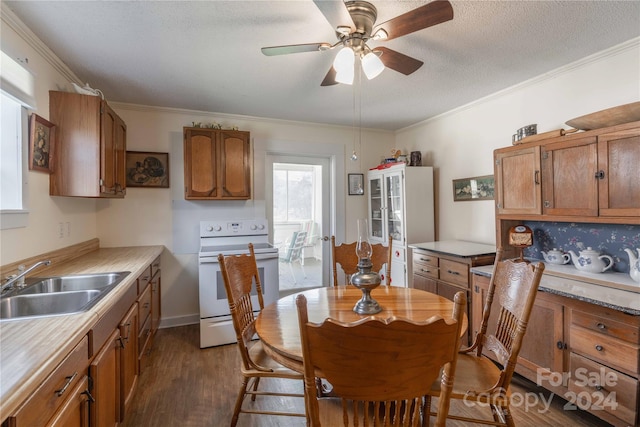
[299, 200]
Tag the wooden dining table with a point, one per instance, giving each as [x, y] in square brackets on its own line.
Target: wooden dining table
[277, 324]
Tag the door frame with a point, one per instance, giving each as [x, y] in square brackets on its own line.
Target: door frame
[335, 224]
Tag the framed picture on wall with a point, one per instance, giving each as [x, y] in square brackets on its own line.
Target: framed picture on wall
[356, 184]
[476, 188]
[147, 169]
[41, 144]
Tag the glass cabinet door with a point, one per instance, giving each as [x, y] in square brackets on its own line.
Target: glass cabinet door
[376, 208]
[394, 204]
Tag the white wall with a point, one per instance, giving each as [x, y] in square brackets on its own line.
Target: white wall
[149, 215]
[460, 143]
[45, 212]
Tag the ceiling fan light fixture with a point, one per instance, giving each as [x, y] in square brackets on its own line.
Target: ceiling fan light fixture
[345, 76]
[344, 60]
[372, 65]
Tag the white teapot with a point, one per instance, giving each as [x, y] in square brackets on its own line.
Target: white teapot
[556, 256]
[634, 264]
[591, 261]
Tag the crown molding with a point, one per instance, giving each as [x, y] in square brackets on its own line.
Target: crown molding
[12, 21]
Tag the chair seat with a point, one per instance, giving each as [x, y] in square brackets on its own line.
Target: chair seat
[475, 374]
[261, 358]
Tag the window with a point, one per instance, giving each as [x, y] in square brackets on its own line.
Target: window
[15, 97]
[11, 154]
[293, 192]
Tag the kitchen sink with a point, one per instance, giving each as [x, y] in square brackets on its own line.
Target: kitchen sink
[54, 296]
[81, 282]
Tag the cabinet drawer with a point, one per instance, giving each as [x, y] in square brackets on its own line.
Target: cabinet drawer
[454, 272]
[143, 337]
[605, 326]
[425, 259]
[143, 279]
[144, 306]
[53, 392]
[605, 349]
[606, 389]
[425, 270]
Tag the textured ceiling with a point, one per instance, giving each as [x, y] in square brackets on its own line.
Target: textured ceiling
[205, 55]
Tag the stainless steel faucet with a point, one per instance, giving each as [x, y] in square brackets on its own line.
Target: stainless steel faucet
[20, 277]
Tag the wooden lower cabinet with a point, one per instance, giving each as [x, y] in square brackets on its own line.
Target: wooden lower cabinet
[105, 374]
[128, 359]
[587, 354]
[445, 275]
[75, 411]
[61, 397]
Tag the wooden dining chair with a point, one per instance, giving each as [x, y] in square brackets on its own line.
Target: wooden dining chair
[381, 369]
[345, 255]
[478, 381]
[240, 273]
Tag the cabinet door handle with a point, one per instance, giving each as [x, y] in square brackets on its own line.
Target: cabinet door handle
[598, 387]
[66, 385]
[600, 174]
[561, 345]
[121, 341]
[601, 326]
[536, 177]
[453, 272]
[599, 347]
[90, 398]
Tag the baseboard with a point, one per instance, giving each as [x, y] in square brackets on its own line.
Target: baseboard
[172, 322]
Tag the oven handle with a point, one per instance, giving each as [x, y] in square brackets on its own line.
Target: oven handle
[259, 257]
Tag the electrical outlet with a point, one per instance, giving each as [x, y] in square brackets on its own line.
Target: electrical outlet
[68, 229]
[60, 230]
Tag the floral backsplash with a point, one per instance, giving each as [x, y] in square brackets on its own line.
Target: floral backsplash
[608, 239]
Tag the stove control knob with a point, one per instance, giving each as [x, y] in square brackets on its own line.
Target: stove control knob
[261, 227]
[253, 227]
[217, 228]
[209, 228]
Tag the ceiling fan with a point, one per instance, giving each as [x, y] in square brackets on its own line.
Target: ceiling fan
[354, 22]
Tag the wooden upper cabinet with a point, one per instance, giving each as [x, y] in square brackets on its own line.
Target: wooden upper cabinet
[91, 147]
[216, 164]
[619, 173]
[569, 177]
[517, 181]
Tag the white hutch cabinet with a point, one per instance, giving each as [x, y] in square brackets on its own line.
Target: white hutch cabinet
[401, 205]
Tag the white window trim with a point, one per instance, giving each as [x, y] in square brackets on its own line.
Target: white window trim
[19, 218]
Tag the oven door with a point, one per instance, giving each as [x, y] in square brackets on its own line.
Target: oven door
[213, 296]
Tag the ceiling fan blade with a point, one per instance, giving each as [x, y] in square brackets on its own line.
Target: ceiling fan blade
[294, 48]
[425, 16]
[330, 78]
[398, 61]
[336, 13]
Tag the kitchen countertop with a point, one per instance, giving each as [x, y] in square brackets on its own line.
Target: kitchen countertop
[456, 247]
[612, 290]
[31, 349]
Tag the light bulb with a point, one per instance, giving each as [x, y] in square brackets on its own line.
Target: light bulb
[372, 65]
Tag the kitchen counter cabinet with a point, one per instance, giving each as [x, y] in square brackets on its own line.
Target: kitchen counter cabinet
[569, 338]
[443, 267]
[32, 349]
[54, 394]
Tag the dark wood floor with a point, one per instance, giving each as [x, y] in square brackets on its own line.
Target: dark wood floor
[184, 386]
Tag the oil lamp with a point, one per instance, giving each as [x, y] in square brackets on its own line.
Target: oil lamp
[365, 279]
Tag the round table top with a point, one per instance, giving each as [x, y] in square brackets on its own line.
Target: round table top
[277, 324]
